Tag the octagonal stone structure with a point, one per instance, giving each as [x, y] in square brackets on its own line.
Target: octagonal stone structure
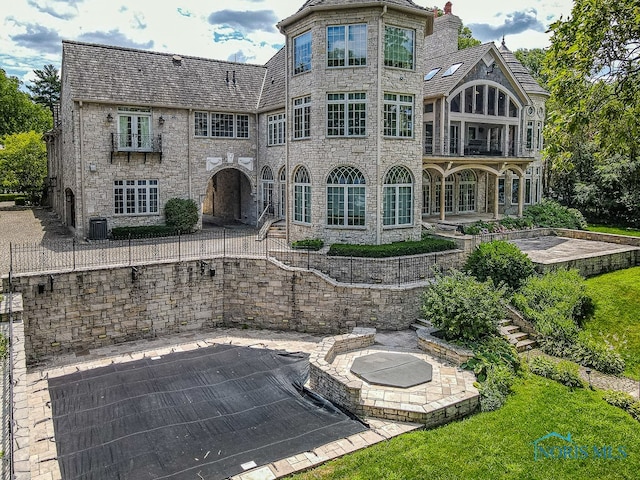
[392, 369]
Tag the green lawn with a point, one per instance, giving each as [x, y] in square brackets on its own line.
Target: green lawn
[617, 316]
[630, 232]
[498, 445]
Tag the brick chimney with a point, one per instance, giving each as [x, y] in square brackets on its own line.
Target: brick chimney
[444, 39]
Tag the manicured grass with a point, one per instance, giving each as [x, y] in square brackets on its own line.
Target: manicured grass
[630, 232]
[617, 316]
[498, 445]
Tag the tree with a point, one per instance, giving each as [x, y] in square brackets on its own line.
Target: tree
[533, 59]
[46, 88]
[465, 38]
[18, 113]
[23, 163]
[593, 129]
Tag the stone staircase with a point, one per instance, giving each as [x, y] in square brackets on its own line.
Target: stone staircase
[516, 337]
[508, 330]
[277, 230]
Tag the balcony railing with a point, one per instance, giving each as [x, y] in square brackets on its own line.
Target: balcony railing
[135, 143]
[477, 148]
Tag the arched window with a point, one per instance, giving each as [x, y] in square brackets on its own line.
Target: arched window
[397, 198]
[346, 195]
[267, 189]
[466, 191]
[302, 196]
[282, 207]
[426, 193]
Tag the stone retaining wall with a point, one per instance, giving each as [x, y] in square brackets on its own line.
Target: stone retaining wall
[598, 237]
[437, 347]
[76, 311]
[597, 264]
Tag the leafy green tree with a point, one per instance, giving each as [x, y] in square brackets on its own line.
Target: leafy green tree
[533, 60]
[18, 113]
[593, 129]
[46, 88]
[465, 38]
[23, 163]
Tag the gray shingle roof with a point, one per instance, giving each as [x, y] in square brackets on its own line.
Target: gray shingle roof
[273, 93]
[520, 72]
[123, 75]
[400, 3]
[440, 85]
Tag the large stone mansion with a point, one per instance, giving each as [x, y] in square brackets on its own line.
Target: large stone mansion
[366, 123]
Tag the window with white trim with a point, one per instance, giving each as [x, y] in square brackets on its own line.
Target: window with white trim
[466, 191]
[215, 124]
[515, 191]
[398, 115]
[346, 114]
[501, 191]
[426, 193]
[346, 197]
[399, 47]
[131, 197]
[346, 45]
[448, 195]
[134, 129]
[302, 53]
[302, 196]
[266, 187]
[529, 139]
[276, 127]
[397, 197]
[302, 117]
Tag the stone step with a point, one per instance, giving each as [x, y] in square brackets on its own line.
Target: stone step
[524, 345]
[504, 322]
[518, 336]
[508, 329]
[420, 323]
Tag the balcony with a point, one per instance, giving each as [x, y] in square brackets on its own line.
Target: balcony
[135, 143]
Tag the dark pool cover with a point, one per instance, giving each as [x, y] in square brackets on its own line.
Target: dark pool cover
[188, 415]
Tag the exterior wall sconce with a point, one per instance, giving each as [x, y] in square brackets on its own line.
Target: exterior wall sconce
[109, 117]
[161, 120]
[490, 68]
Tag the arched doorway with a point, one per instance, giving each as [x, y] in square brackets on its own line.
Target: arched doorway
[70, 208]
[229, 198]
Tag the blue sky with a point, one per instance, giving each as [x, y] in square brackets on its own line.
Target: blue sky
[31, 31]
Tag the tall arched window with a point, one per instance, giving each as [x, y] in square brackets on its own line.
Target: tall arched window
[346, 195]
[302, 196]
[397, 198]
[267, 188]
[466, 191]
[426, 193]
[282, 207]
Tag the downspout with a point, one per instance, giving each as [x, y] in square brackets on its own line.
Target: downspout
[380, 125]
[83, 202]
[287, 142]
[257, 153]
[189, 123]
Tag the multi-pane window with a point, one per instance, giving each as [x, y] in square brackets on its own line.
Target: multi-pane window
[397, 199]
[266, 187]
[501, 191]
[529, 139]
[276, 129]
[135, 197]
[134, 129]
[466, 191]
[454, 134]
[302, 117]
[398, 115]
[346, 114]
[448, 196]
[227, 125]
[302, 53]
[346, 45]
[346, 195]
[302, 196]
[426, 193]
[428, 138]
[539, 135]
[515, 191]
[399, 46]
[282, 208]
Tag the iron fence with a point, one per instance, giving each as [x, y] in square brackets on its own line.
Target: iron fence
[70, 255]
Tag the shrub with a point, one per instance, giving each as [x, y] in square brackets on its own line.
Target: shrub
[500, 261]
[20, 200]
[504, 225]
[310, 244]
[599, 355]
[497, 386]
[396, 249]
[618, 399]
[181, 214]
[549, 213]
[567, 373]
[462, 307]
[123, 233]
[563, 291]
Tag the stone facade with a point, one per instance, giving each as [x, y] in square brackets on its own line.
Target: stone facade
[238, 175]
